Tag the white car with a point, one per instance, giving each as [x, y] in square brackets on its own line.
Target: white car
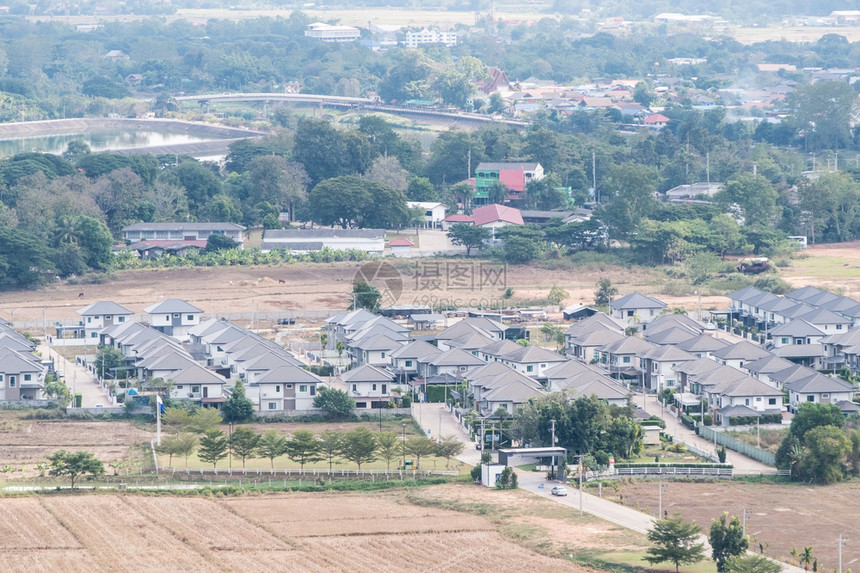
[559, 490]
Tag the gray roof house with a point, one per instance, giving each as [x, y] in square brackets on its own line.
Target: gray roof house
[636, 308]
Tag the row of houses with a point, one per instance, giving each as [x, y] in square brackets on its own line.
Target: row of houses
[22, 372]
[197, 360]
[638, 345]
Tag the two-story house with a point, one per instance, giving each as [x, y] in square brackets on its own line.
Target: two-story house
[100, 315]
[174, 317]
[369, 386]
[287, 388]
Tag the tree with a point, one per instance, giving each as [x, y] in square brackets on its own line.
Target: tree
[185, 445]
[243, 443]
[605, 292]
[304, 448]
[727, 540]
[359, 446]
[25, 260]
[271, 445]
[448, 447]
[806, 558]
[203, 420]
[215, 243]
[469, 236]
[96, 242]
[823, 112]
[330, 446]
[675, 542]
[213, 447]
[75, 465]
[750, 563]
[107, 359]
[419, 446]
[274, 180]
[557, 295]
[237, 408]
[335, 403]
[340, 201]
[386, 170]
[365, 295]
[420, 189]
[826, 449]
[454, 88]
[752, 197]
[628, 192]
[811, 415]
[389, 447]
[56, 388]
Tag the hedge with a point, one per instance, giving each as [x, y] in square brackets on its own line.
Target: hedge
[752, 420]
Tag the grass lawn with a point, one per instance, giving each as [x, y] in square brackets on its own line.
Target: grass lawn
[825, 267]
[635, 561]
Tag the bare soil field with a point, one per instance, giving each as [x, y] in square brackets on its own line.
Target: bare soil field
[780, 517]
[346, 532]
[834, 267]
[323, 287]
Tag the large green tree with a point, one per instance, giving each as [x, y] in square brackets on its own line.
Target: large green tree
[243, 443]
[271, 445]
[469, 236]
[335, 403]
[213, 447]
[674, 541]
[74, 465]
[823, 112]
[359, 446]
[727, 539]
[303, 447]
[237, 408]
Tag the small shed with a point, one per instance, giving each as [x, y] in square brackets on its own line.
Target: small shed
[490, 473]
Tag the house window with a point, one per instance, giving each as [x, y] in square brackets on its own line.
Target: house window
[355, 387]
[120, 319]
[175, 315]
[543, 365]
[190, 317]
[823, 395]
[771, 401]
[785, 340]
[303, 388]
[313, 390]
[385, 388]
[746, 402]
[630, 313]
[278, 388]
[290, 386]
[625, 360]
[166, 318]
[670, 382]
[462, 368]
[741, 365]
[383, 355]
[530, 368]
[93, 334]
[195, 389]
[810, 398]
[758, 399]
[12, 381]
[108, 317]
[838, 327]
[408, 363]
[374, 387]
[28, 377]
[180, 387]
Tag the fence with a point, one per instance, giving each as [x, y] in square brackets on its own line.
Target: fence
[735, 444]
[309, 473]
[674, 471]
[369, 413]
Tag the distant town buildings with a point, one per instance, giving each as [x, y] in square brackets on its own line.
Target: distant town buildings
[425, 36]
[329, 33]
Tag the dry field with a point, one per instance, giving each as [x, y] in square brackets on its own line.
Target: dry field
[780, 517]
[285, 532]
[313, 287]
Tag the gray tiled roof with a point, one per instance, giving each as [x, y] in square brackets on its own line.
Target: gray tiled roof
[171, 305]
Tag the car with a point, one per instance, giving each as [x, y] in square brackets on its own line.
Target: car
[478, 446]
[100, 405]
[286, 321]
[559, 490]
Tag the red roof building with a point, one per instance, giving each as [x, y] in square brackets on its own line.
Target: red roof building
[496, 216]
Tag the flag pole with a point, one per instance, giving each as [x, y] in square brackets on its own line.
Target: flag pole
[159, 405]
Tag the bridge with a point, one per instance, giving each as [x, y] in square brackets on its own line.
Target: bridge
[358, 103]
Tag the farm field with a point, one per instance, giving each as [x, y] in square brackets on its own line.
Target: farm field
[283, 532]
[780, 517]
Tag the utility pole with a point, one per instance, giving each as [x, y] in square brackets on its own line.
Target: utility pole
[840, 544]
[594, 177]
[552, 444]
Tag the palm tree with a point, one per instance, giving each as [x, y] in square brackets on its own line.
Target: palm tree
[806, 558]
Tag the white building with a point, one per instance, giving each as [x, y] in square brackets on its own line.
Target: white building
[434, 213]
[425, 36]
[305, 240]
[173, 317]
[329, 33]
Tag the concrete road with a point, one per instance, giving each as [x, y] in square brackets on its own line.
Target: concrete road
[436, 418]
[681, 433]
[79, 379]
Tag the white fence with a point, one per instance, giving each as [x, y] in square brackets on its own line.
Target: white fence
[674, 471]
[309, 473]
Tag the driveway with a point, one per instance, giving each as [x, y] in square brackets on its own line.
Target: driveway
[680, 433]
[79, 379]
[437, 421]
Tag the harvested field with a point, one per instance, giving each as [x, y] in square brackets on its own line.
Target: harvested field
[782, 517]
[283, 532]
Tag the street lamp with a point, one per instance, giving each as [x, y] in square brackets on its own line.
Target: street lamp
[403, 445]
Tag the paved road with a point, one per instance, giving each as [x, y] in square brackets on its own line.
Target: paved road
[681, 433]
[79, 379]
[435, 418]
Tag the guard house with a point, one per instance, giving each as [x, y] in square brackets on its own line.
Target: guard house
[548, 457]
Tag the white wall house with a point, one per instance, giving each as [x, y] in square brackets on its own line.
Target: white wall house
[174, 317]
[434, 213]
